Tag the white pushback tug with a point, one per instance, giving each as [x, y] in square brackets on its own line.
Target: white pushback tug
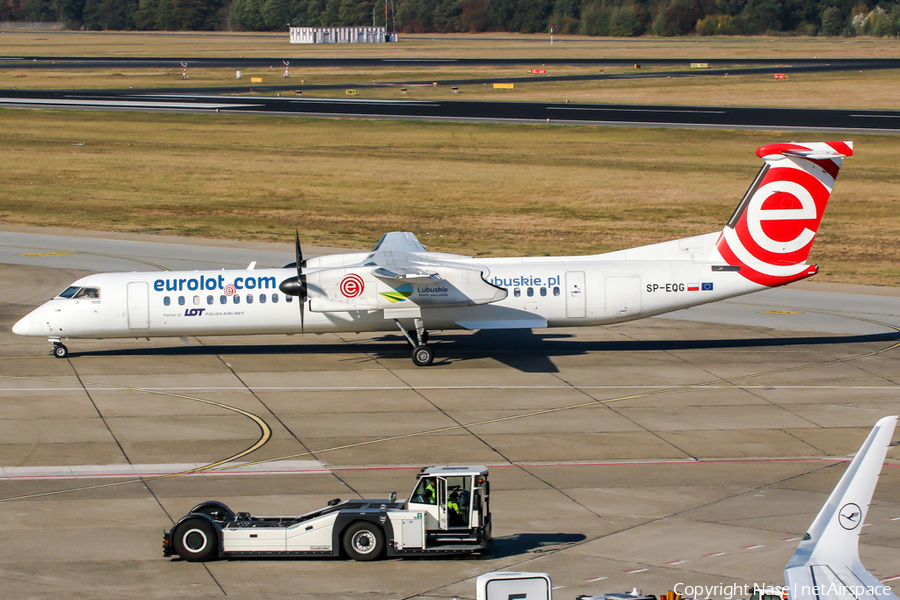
[447, 513]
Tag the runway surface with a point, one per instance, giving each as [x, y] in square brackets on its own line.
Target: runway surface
[693, 449]
[872, 121]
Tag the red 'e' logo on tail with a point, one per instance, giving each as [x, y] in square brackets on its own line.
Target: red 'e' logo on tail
[772, 231]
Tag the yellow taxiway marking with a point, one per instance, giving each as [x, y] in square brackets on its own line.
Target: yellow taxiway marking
[49, 254]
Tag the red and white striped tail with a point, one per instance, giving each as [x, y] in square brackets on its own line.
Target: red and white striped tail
[771, 232]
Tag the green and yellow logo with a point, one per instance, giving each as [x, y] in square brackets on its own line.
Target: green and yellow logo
[400, 294]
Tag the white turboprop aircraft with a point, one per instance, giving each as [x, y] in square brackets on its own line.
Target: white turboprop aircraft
[400, 284]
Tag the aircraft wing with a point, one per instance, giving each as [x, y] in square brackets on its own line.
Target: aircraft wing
[399, 241]
[826, 565]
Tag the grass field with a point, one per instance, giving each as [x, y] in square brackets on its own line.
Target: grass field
[500, 45]
[478, 189]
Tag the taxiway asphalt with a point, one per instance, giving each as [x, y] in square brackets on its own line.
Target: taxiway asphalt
[693, 449]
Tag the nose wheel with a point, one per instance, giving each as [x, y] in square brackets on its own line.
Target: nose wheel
[59, 350]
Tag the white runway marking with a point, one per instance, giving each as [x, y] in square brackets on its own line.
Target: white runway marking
[389, 388]
[283, 467]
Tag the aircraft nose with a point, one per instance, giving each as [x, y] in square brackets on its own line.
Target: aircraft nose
[30, 324]
[21, 326]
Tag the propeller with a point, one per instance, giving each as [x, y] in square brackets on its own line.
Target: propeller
[296, 286]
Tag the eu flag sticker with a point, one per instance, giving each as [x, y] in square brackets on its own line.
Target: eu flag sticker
[707, 287]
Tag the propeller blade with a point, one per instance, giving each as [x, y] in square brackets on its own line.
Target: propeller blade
[297, 285]
[298, 251]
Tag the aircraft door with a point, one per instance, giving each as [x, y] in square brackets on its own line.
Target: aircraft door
[623, 296]
[575, 294]
[138, 305]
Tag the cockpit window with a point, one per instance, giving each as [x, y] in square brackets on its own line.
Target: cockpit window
[69, 291]
[88, 293]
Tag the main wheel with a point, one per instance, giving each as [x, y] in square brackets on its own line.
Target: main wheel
[196, 540]
[364, 541]
[422, 356]
[60, 351]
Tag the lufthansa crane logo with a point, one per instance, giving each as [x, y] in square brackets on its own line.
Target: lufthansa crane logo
[850, 516]
[352, 285]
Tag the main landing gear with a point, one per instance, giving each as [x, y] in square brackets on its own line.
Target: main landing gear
[59, 349]
[422, 355]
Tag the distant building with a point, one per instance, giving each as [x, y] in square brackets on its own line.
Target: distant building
[340, 35]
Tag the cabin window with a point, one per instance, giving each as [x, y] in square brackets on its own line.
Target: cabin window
[210, 300]
[543, 291]
[167, 301]
[288, 298]
[262, 298]
[236, 299]
[69, 291]
[556, 290]
[275, 298]
[530, 292]
[180, 300]
[223, 299]
[88, 293]
[249, 298]
[517, 292]
[196, 300]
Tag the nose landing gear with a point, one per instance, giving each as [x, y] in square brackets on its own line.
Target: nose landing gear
[59, 349]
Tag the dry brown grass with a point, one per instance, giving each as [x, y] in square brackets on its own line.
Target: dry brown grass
[501, 45]
[480, 189]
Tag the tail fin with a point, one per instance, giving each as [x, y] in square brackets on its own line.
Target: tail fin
[771, 232]
[826, 565]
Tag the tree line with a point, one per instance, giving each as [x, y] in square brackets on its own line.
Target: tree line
[624, 18]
